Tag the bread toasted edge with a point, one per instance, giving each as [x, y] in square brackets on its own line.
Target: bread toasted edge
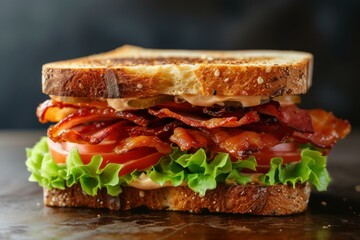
[111, 79]
[252, 199]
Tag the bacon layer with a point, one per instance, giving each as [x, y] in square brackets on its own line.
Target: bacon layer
[241, 144]
[62, 131]
[53, 111]
[238, 131]
[71, 135]
[196, 121]
[290, 116]
[130, 143]
[156, 131]
[327, 129]
[189, 138]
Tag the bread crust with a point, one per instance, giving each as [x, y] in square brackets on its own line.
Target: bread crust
[137, 72]
[243, 199]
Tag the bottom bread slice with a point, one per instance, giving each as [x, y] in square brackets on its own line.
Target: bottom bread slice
[250, 199]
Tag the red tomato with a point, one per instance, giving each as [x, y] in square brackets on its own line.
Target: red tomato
[137, 159]
[140, 163]
[289, 152]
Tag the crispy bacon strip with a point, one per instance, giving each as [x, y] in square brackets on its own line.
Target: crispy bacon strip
[61, 129]
[50, 110]
[290, 116]
[241, 144]
[53, 111]
[130, 143]
[180, 107]
[328, 129]
[70, 135]
[157, 131]
[189, 138]
[195, 121]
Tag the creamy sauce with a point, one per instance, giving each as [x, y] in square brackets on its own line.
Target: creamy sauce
[145, 183]
[207, 101]
[120, 104]
[123, 104]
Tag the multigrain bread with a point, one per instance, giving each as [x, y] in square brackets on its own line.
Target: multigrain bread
[245, 199]
[131, 71]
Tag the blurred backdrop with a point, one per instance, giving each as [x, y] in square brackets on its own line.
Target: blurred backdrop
[39, 31]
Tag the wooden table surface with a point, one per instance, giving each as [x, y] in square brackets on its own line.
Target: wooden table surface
[334, 214]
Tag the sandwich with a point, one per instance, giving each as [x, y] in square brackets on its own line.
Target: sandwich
[194, 131]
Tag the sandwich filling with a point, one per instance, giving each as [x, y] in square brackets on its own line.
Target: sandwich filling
[166, 141]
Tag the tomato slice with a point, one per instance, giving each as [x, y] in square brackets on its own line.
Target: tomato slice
[289, 152]
[57, 152]
[140, 163]
[137, 159]
[104, 147]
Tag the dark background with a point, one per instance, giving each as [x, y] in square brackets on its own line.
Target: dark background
[39, 31]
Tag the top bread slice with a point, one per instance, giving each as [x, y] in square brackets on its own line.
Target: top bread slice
[133, 72]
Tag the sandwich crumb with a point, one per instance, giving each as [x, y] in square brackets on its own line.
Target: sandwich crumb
[268, 69]
[260, 80]
[226, 80]
[217, 73]
[139, 86]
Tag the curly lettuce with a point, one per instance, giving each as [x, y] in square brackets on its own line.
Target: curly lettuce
[198, 172]
[195, 169]
[311, 168]
[91, 178]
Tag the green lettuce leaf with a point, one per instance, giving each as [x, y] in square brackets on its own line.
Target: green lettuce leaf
[196, 170]
[91, 178]
[311, 168]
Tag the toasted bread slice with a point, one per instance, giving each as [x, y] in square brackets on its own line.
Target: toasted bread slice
[131, 71]
[250, 199]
